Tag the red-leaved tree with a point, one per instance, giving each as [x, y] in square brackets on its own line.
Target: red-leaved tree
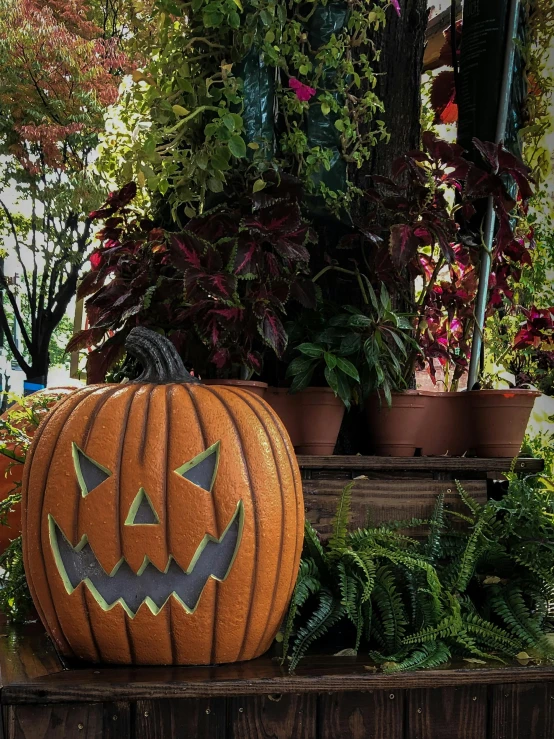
[61, 62]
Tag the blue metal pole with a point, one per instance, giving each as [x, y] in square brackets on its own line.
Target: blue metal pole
[489, 224]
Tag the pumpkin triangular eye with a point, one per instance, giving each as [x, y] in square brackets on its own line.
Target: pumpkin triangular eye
[141, 512]
[89, 473]
[202, 469]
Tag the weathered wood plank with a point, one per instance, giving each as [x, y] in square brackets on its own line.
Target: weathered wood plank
[26, 653]
[377, 714]
[116, 721]
[522, 710]
[79, 721]
[448, 713]
[316, 674]
[180, 719]
[378, 501]
[446, 464]
[273, 717]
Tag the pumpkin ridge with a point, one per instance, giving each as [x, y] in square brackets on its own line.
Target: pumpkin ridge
[144, 434]
[168, 607]
[24, 483]
[130, 641]
[205, 444]
[168, 402]
[213, 391]
[282, 527]
[117, 471]
[104, 396]
[299, 539]
[197, 412]
[48, 418]
[84, 596]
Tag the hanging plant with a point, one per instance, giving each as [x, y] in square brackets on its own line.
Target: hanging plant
[234, 89]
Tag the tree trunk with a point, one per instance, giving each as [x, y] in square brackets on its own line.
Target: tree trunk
[400, 66]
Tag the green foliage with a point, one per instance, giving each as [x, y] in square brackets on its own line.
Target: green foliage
[198, 117]
[59, 339]
[16, 431]
[480, 588]
[356, 351]
[15, 599]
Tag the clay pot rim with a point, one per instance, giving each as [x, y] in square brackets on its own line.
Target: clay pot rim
[238, 383]
[445, 394]
[325, 390]
[508, 392]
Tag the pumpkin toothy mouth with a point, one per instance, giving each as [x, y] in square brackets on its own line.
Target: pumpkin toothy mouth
[213, 558]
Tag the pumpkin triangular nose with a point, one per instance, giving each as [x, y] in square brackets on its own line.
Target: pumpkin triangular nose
[141, 511]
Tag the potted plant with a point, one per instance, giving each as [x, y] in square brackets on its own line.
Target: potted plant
[324, 382]
[218, 288]
[420, 224]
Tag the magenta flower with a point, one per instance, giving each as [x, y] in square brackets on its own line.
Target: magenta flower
[303, 92]
[396, 5]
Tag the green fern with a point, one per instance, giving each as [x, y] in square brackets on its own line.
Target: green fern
[481, 590]
[433, 546]
[337, 542]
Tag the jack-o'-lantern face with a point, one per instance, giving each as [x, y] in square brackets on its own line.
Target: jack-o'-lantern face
[162, 518]
[149, 585]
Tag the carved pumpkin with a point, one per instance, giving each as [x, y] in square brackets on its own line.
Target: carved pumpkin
[163, 519]
[11, 471]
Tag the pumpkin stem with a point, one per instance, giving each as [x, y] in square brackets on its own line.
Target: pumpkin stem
[160, 361]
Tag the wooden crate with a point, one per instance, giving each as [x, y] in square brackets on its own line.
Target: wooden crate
[393, 488]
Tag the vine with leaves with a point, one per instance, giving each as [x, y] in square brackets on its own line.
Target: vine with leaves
[232, 89]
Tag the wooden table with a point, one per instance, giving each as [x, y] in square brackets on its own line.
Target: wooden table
[327, 698]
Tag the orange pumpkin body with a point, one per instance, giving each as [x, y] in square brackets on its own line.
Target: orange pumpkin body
[11, 471]
[139, 444]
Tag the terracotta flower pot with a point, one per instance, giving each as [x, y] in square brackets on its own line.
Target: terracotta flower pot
[286, 407]
[446, 431]
[499, 419]
[258, 388]
[319, 416]
[396, 431]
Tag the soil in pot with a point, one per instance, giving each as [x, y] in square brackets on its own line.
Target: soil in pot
[286, 407]
[499, 419]
[319, 418]
[258, 388]
[396, 431]
[446, 431]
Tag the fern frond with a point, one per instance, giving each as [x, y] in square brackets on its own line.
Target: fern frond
[315, 551]
[493, 636]
[425, 657]
[470, 502]
[337, 541]
[508, 603]
[307, 584]
[388, 601]
[436, 525]
[327, 613]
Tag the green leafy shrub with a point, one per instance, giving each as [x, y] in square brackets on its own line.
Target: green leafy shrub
[478, 586]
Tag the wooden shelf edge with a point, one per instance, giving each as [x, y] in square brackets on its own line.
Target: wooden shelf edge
[119, 684]
[451, 464]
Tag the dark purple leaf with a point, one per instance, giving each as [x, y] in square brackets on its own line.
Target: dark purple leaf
[403, 243]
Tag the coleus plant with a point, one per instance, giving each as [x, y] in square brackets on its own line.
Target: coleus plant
[421, 224]
[218, 288]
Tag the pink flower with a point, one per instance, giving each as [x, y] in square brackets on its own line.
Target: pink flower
[303, 92]
[396, 6]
